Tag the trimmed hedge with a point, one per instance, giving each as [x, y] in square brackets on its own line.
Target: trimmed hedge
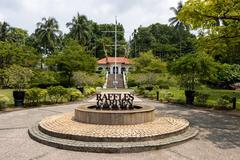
[3, 101]
[54, 94]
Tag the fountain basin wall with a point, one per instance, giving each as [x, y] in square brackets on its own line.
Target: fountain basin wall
[86, 114]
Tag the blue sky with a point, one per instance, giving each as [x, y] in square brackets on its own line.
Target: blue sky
[131, 13]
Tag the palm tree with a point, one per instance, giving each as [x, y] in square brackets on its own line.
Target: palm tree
[80, 29]
[47, 34]
[178, 25]
[4, 29]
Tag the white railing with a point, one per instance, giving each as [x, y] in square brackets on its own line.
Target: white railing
[125, 80]
[106, 80]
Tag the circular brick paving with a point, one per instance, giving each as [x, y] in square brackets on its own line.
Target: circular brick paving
[64, 126]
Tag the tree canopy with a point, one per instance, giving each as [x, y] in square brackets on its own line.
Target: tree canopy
[147, 62]
[218, 24]
[193, 68]
[163, 40]
[72, 58]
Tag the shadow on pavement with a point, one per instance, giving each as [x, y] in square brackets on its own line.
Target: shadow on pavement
[221, 129]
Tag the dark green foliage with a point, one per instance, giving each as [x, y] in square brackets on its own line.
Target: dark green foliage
[147, 62]
[224, 102]
[17, 35]
[162, 81]
[168, 96]
[12, 34]
[163, 86]
[162, 40]
[80, 29]
[193, 68]
[47, 34]
[14, 53]
[218, 25]
[227, 75]
[91, 35]
[35, 96]
[56, 93]
[102, 39]
[72, 58]
[44, 79]
[38, 96]
[18, 77]
[201, 98]
[3, 101]
[89, 90]
[73, 94]
[4, 30]
[88, 79]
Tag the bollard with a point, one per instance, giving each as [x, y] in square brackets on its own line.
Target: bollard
[234, 101]
[157, 95]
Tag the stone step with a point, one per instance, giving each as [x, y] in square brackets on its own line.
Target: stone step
[110, 147]
[111, 78]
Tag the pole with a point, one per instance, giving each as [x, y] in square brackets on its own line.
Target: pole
[115, 59]
[115, 51]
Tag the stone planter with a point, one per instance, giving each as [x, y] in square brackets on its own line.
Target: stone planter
[189, 97]
[18, 98]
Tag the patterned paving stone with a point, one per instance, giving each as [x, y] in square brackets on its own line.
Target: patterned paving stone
[63, 126]
[110, 147]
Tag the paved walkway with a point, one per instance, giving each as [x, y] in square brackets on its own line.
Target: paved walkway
[219, 137]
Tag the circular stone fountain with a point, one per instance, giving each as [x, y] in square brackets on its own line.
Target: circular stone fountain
[94, 128]
[137, 115]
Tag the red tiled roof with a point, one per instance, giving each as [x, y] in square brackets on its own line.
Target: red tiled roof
[112, 60]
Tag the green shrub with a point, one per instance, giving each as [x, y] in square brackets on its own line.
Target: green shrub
[85, 79]
[201, 97]
[3, 101]
[168, 96]
[18, 77]
[131, 83]
[224, 102]
[44, 79]
[56, 93]
[141, 90]
[89, 90]
[73, 94]
[192, 69]
[99, 81]
[35, 96]
[163, 86]
[152, 94]
[227, 75]
[145, 93]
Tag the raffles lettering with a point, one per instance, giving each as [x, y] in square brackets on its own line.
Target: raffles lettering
[115, 101]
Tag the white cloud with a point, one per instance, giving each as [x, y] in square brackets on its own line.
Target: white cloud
[131, 13]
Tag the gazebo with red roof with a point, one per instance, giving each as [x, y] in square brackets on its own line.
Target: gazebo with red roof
[108, 63]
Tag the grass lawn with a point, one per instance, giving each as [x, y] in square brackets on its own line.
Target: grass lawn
[217, 93]
[214, 94]
[8, 93]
